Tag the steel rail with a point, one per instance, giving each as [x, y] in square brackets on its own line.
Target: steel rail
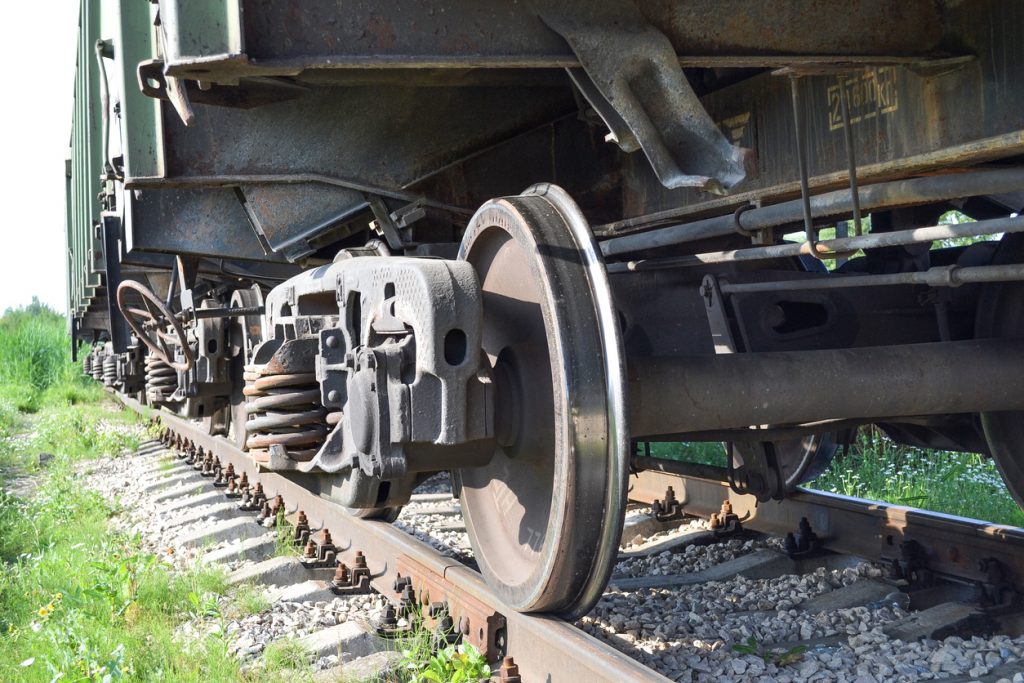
[953, 546]
[544, 648]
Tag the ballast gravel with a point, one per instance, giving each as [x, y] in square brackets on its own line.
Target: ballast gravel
[686, 633]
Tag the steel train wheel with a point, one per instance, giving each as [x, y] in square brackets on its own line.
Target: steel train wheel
[545, 516]
[799, 461]
[1001, 314]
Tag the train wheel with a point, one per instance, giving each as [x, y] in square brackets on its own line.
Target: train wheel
[1001, 314]
[545, 516]
[793, 462]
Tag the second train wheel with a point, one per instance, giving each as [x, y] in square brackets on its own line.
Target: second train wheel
[545, 515]
[1001, 314]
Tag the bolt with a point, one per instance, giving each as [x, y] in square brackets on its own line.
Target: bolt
[726, 508]
[310, 551]
[341, 577]
[327, 538]
[244, 483]
[278, 505]
[265, 512]
[400, 583]
[360, 562]
[509, 671]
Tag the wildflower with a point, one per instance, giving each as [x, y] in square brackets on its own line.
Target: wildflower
[43, 612]
[170, 550]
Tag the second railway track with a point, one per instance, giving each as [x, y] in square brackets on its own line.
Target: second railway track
[859, 592]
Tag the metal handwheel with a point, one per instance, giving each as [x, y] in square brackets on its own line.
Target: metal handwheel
[149, 324]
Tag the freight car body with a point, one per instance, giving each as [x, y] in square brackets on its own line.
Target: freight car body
[312, 218]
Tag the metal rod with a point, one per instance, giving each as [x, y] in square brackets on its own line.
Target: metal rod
[900, 193]
[851, 161]
[841, 244]
[801, 156]
[201, 313]
[675, 395]
[679, 467]
[941, 276]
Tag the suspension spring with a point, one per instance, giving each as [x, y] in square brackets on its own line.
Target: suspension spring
[284, 410]
[97, 365]
[161, 380]
[110, 370]
[87, 364]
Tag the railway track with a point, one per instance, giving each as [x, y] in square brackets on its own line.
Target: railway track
[859, 584]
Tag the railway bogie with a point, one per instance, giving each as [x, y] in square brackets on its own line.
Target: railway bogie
[515, 241]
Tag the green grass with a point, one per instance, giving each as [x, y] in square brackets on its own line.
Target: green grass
[286, 659]
[965, 484]
[250, 599]
[79, 602]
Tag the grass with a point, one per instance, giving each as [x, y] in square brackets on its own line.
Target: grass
[965, 484]
[250, 599]
[78, 601]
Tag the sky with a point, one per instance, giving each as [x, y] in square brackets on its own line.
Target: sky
[37, 49]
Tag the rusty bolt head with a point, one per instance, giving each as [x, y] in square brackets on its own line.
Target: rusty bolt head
[726, 508]
[509, 671]
[341, 574]
[310, 549]
[360, 561]
[244, 483]
[327, 537]
[302, 519]
[278, 504]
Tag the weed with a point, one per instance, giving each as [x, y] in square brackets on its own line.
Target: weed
[778, 657]
[425, 659]
[284, 537]
[250, 599]
[286, 656]
[449, 664]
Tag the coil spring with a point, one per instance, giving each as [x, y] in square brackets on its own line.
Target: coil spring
[161, 379]
[87, 364]
[97, 366]
[284, 410]
[110, 370]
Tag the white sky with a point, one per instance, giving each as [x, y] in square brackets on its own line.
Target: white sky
[37, 51]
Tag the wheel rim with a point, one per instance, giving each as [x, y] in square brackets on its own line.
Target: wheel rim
[545, 515]
[1001, 314]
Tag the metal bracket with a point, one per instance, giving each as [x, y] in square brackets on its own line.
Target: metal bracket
[718, 321]
[478, 624]
[631, 76]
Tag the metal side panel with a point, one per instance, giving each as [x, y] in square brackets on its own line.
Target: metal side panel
[141, 119]
[202, 30]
